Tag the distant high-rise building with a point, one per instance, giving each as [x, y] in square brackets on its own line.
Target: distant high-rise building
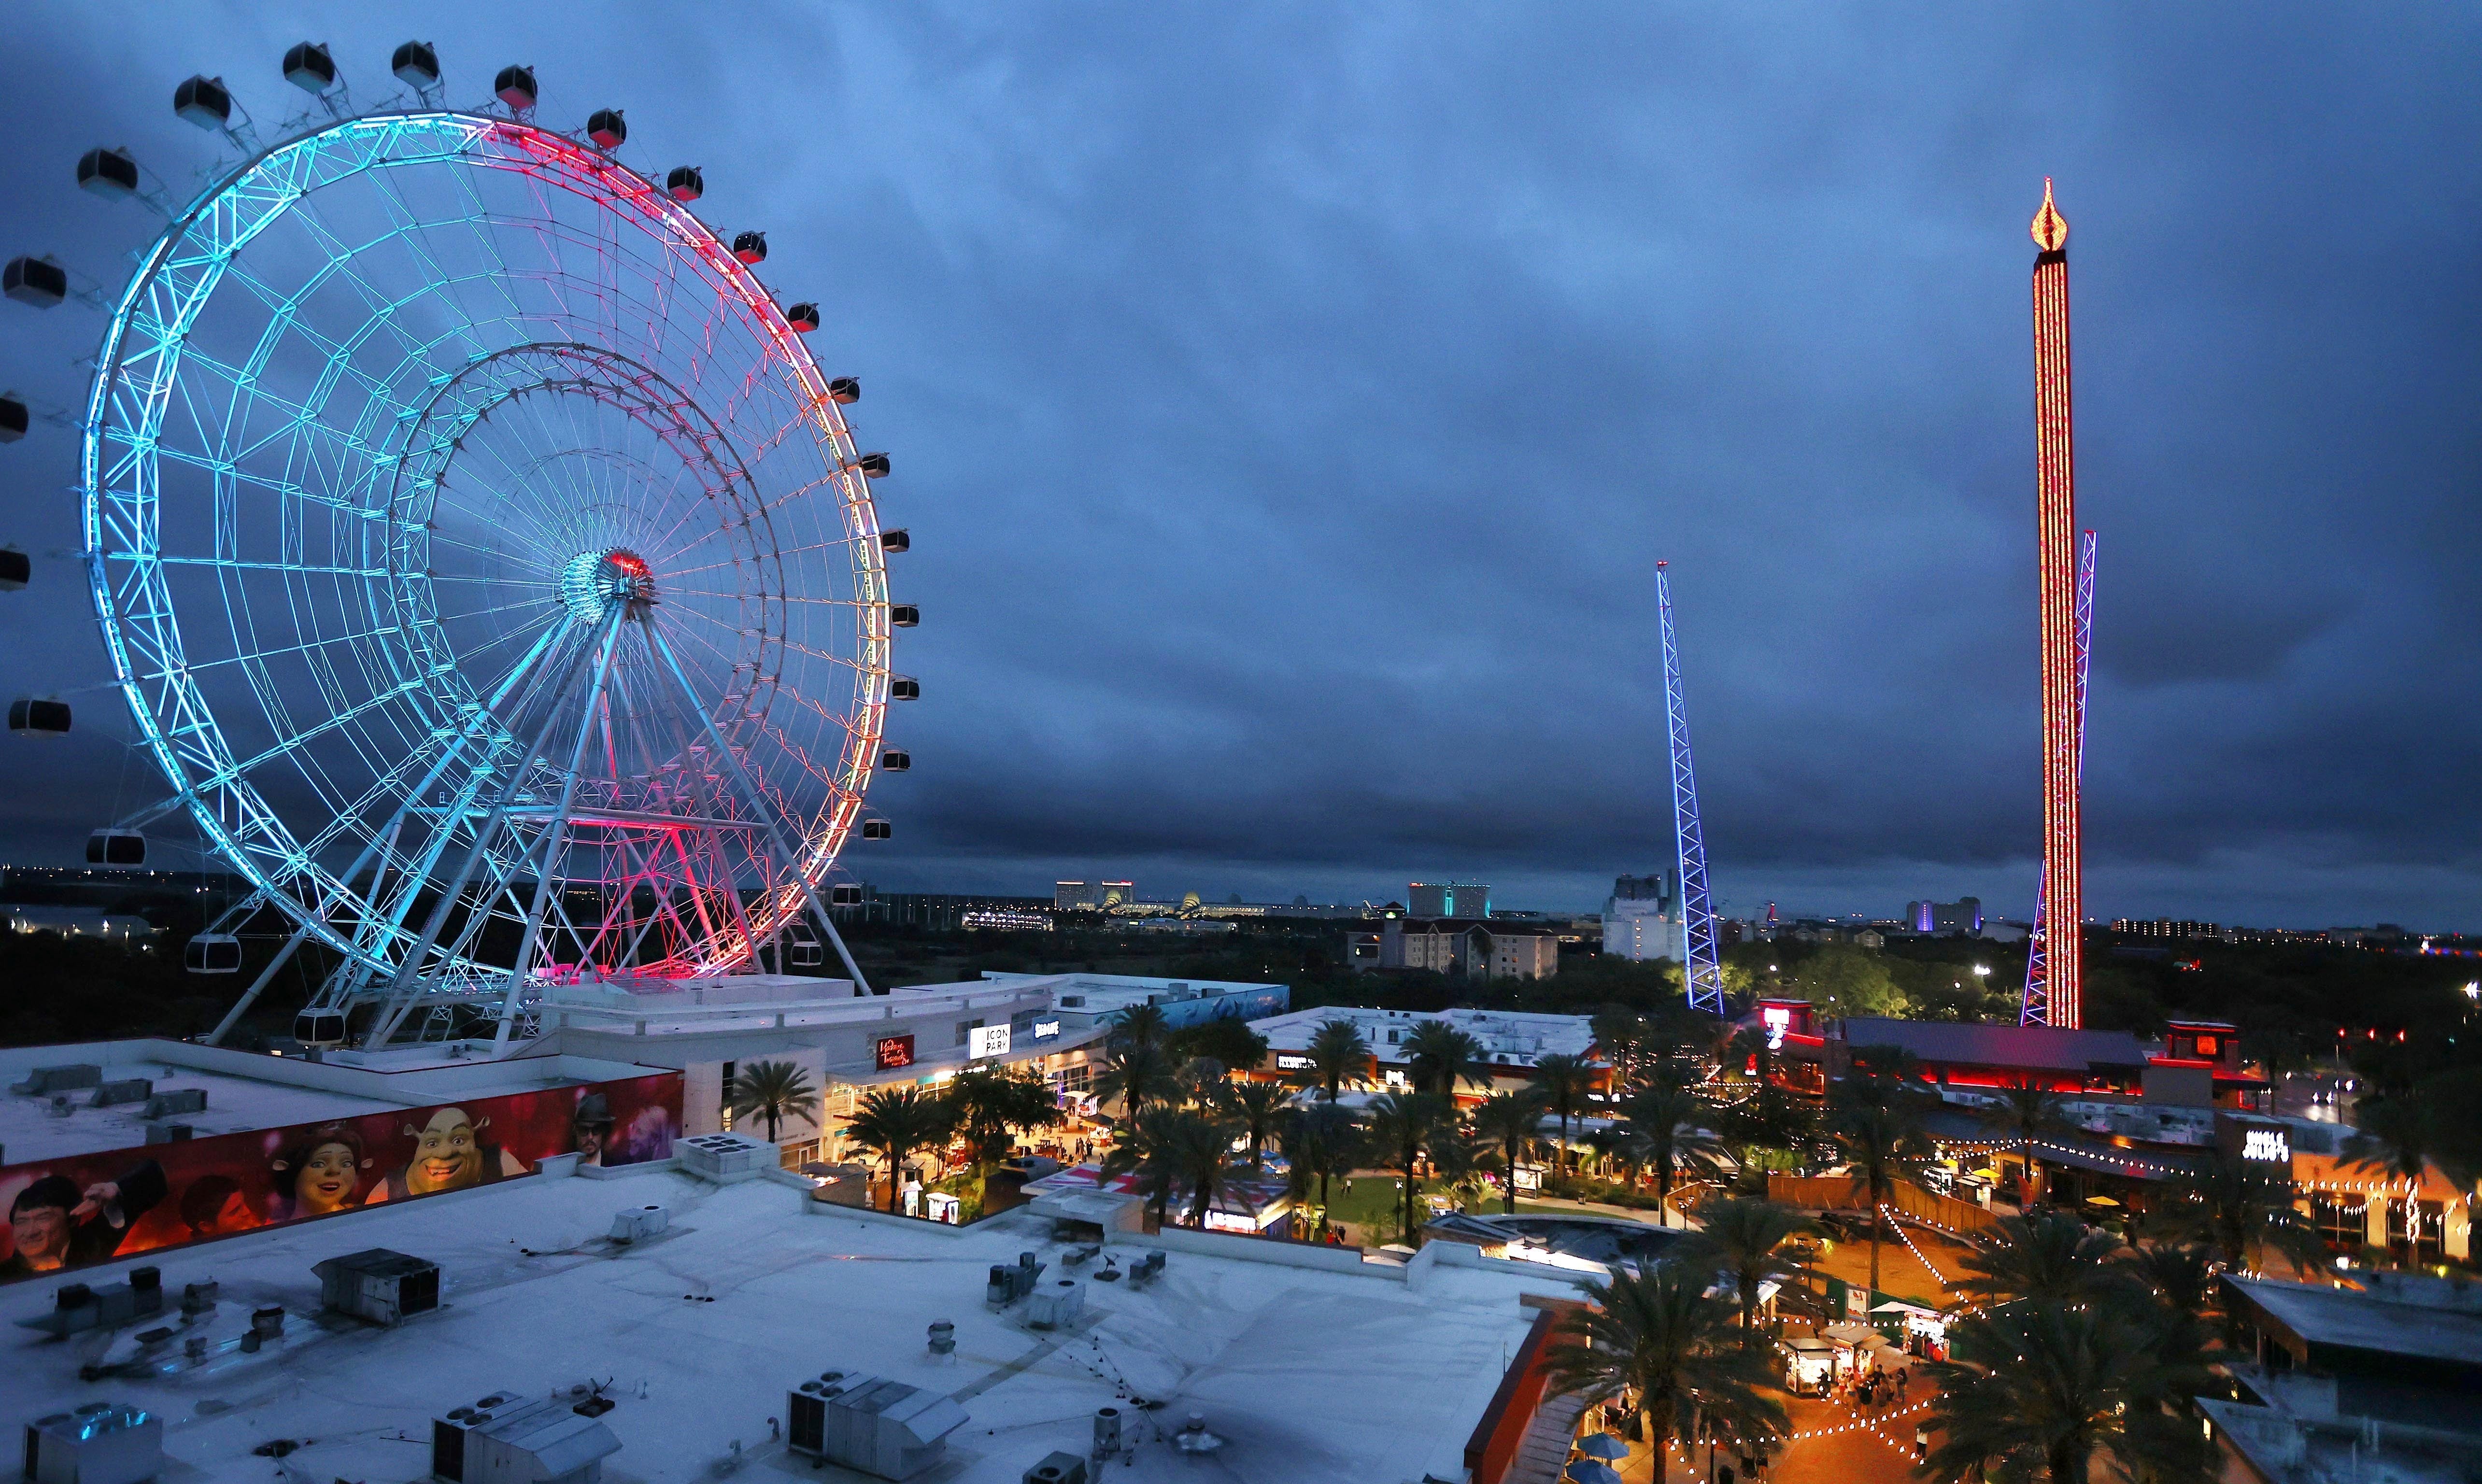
[1070, 895]
[1654, 887]
[1962, 917]
[1109, 895]
[1448, 899]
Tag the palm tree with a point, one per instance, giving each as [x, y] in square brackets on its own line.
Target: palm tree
[1745, 1239]
[1459, 1158]
[2038, 1390]
[2048, 1257]
[1624, 1038]
[1172, 1150]
[1135, 1072]
[1338, 1055]
[1512, 1122]
[1322, 1140]
[2238, 1209]
[1666, 1120]
[1143, 1025]
[1201, 1080]
[897, 1121]
[1440, 1056]
[1564, 1081]
[2395, 1139]
[991, 1102]
[1881, 1135]
[1403, 1126]
[773, 1091]
[2028, 1109]
[1254, 1106]
[1658, 1345]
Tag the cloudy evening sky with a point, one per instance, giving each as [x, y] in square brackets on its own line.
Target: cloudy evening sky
[1289, 406]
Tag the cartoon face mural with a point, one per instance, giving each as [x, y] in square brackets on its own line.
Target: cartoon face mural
[445, 1154]
[68, 1213]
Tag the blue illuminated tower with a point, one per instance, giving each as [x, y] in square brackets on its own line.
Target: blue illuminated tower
[1705, 974]
[2036, 1005]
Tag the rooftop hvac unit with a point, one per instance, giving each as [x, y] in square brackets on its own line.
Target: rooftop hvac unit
[868, 1423]
[505, 1439]
[380, 1285]
[101, 1443]
[727, 1157]
[112, 1095]
[1008, 1284]
[77, 1307]
[639, 1222]
[1056, 1305]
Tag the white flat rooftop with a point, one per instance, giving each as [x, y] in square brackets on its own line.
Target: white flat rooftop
[29, 1129]
[1310, 1376]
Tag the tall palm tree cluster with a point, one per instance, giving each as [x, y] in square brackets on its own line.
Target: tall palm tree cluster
[2082, 1351]
[983, 1107]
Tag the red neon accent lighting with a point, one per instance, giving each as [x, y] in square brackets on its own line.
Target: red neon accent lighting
[2056, 526]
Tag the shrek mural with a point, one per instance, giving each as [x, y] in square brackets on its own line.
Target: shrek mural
[448, 1154]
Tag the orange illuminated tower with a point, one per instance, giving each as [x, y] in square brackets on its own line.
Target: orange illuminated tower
[2055, 501]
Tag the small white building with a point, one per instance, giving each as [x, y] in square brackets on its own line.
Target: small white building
[1512, 1041]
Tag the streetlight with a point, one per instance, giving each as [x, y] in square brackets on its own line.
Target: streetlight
[1981, 971]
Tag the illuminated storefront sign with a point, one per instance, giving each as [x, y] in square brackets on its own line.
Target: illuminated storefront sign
[1287, 1062]
[1045, 1030]
[895, 1051]
[1777, 1020]
[2267, 1144]
[987, 1041]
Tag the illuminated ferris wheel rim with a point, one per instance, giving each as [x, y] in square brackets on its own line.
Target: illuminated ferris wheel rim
[138, 368]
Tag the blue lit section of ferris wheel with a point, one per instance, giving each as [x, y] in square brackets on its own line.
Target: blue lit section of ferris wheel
[159, 453]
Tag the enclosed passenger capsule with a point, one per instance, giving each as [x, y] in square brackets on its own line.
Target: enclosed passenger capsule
[803, 318]
[877, 829]
[904, 688]
[844, 896]
[308, 67]
[116, 847]
[17, 570]
[873, 464]
[212, 953]
[607, 128]
[14, 419]
[35, 280]
[108, 172]
[845, 390]
[31, 717]
[895, 762]
[203, 101]
[516, 86]
[751, 247]
[416, 65]
[686, 183]
[904, 615]
[898, 540]
[804, 945]
[320, 1027]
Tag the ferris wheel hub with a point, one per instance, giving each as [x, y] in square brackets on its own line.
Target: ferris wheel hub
[595, 581]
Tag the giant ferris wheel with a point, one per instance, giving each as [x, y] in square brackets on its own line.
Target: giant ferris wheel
[486, 563]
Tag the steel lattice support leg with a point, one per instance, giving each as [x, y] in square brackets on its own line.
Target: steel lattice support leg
[1705, 971]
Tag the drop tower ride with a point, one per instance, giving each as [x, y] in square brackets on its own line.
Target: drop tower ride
[2060, 992]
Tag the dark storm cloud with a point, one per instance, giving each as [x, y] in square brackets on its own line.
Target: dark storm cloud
[1290, 404]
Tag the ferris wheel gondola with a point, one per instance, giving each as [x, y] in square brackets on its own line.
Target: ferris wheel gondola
[486, 562]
